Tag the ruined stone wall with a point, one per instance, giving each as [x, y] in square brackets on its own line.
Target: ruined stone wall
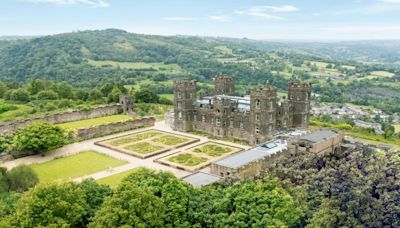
[108, 129]
[10, 127]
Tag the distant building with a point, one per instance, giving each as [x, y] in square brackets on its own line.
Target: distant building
[249, 163]
[319, 142]
[255, 117]
[376, 126]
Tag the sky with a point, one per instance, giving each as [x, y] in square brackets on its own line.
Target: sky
[300, 20]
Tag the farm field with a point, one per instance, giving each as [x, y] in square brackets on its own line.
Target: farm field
[397, 128]
[147, 143]
[114, 180]
[74, 166]
[137, 65]
[75, 125]
[198, 157]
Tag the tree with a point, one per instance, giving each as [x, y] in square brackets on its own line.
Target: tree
[21, 178]
[3, 89]
[39, 137]
[19, 95]
[95, 95]
[51, 205]
[47, 95]
[64, 90]
[130, 206]
[146, 96]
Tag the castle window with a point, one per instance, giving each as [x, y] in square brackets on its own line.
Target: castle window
[257, 130]
[218, 110]
[231, 123]
[257, 116]
[180, 115]
[305, 119]
[203, 118]
[258, 104]
[179, 104]
[218, 122]
[179, 94]
[241, 125]
[195, 117]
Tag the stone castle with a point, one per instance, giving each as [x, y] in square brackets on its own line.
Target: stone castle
[254, 118]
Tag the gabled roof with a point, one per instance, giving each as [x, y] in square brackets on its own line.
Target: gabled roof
[319, 136]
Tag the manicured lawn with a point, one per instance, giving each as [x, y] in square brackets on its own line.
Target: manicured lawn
[143, 148]
[187, 159]
[212, 150]
[74, 166]
[170, 140]
[114, 180]
[75, 125]
[134, 138]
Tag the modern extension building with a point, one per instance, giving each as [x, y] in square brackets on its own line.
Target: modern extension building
[255, 117]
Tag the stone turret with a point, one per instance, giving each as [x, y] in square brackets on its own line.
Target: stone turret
[262, 113]
[224, 85]
[127, 104]
[299, 95]
[184, 104]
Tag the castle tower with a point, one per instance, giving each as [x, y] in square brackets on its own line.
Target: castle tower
[224, 85]
[184, 104]
[299, 95]
[127, 104]
[262, 113]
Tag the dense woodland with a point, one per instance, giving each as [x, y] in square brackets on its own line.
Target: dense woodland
[348, 189]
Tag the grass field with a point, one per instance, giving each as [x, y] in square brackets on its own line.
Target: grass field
[137, 65]
[397, 128]
[143, 148]
[74, 166]
[94, 122]
[382, 74]
[20, 111]
[114, 180]
[187, 159]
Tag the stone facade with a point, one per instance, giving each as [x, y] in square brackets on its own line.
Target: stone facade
[254, 118]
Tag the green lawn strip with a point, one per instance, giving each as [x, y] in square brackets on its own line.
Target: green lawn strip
[133, 138]
[114, 180]
[187, 159]
[143, 148]
[75, 125]
[170, 140]
[212, 150]
[74, 166]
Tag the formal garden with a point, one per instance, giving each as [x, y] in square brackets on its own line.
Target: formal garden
[70, 167]
[198, 157]
[146, 144]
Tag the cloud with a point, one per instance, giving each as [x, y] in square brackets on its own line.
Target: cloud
[180, 18]
[87, 3]
[223, 18]
[267, 12]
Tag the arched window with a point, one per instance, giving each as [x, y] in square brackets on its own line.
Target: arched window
[258, 104]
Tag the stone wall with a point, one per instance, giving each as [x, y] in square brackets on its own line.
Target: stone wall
[107, 129]
[10, 127]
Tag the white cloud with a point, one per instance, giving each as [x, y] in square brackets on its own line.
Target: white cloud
[180, 19]
[267, 12]
[87, 3]
[223, 18]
